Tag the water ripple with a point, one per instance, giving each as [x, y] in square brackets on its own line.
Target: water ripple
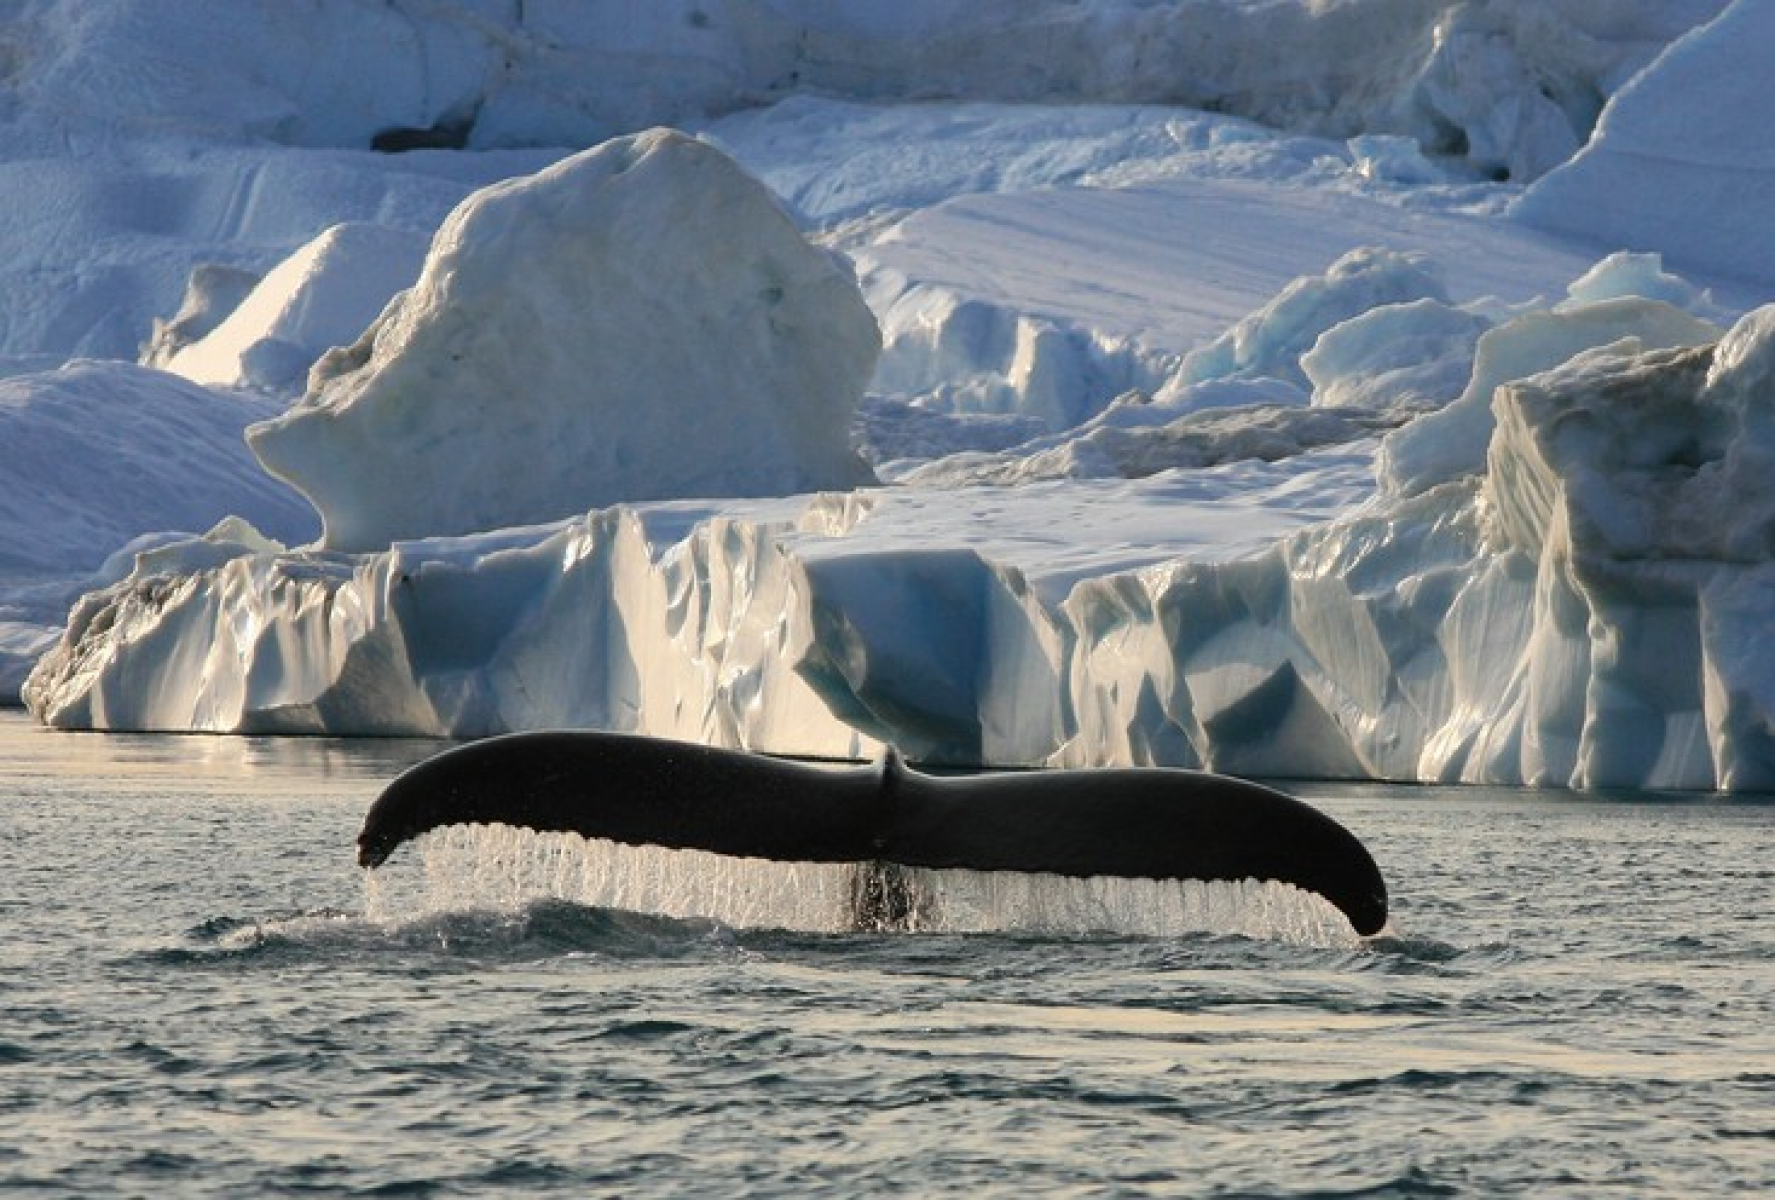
[1575, 1000]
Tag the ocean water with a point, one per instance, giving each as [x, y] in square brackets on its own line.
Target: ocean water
[202, 995]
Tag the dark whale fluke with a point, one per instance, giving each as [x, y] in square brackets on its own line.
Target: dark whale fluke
[1140, 823]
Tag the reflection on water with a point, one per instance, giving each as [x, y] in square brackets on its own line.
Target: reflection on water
[199, 762]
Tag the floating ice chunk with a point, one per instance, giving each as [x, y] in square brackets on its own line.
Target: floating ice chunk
[1601, 455]
[1451, 442]
[1647, 497]
[323, 295]
[1419, 353]
[1270, 341]
[640, 321]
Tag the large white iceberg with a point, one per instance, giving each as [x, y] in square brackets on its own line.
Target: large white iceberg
[151, 136]
[565, 330]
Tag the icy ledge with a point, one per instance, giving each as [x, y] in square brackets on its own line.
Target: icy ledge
[1586, 611]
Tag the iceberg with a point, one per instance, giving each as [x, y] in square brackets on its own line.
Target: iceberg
[1269, 343]
[640, 321]
[1562, 618]
[1416, 353]
[1451, 442]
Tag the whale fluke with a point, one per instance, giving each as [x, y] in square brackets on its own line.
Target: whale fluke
[1155, 823]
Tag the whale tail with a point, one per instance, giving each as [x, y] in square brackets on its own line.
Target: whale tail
[1133, 823]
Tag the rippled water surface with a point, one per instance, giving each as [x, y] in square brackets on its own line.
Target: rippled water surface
[200, 996]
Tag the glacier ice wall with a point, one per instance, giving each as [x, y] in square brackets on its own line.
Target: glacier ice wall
[674, 622]
[1514, 84]
[153, 137]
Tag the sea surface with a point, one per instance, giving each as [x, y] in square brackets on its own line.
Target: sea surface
[202, 995]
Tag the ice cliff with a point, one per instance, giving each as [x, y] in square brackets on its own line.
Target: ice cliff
[1515, 86]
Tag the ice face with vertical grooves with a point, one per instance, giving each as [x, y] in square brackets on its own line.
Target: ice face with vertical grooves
[1574, 615]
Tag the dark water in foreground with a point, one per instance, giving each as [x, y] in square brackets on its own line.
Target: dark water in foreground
[1580, 1000]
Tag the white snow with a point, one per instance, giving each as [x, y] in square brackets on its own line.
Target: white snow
[1295, 437]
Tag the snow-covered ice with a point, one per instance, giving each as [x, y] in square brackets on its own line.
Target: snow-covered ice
[1380, 422]
[1451, 442]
